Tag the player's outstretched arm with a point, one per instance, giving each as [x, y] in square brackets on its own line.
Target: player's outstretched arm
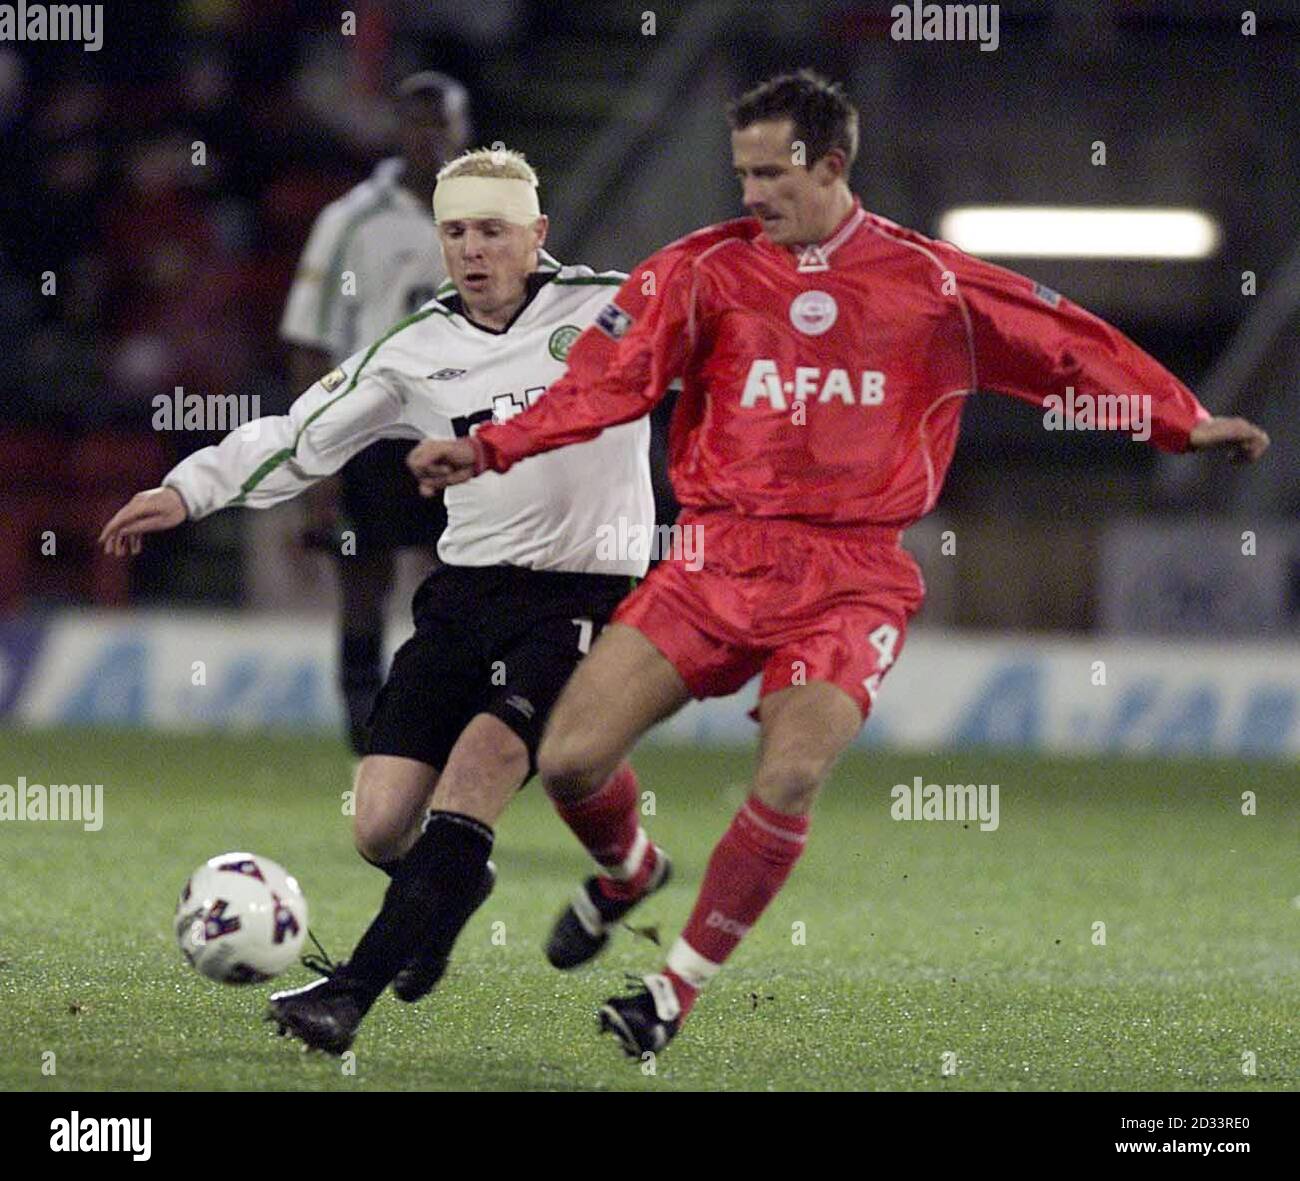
[266, 461]
[1247, 441]
[618, 369]
[1034, 344]
[272, 459]
[150, 511]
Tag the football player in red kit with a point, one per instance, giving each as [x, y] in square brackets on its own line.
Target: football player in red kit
[825, 354]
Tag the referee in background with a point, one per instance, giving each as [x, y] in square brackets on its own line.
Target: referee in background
[372, 258]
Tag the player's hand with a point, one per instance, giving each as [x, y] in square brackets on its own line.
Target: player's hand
[146, 512]
[1247, 441]
[439, 463]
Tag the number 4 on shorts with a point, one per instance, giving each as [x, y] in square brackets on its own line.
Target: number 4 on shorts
[884, 639]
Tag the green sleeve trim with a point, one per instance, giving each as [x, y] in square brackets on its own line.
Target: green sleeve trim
[589, 281]
[271, 462]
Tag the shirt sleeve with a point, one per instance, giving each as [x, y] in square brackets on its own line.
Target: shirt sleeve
[1034, 344]
[618, 369]
[272, 459]
[308, 318]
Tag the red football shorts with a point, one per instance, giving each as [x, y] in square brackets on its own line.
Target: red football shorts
[797, 602]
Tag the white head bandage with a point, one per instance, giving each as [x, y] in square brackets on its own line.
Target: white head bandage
[466, 198]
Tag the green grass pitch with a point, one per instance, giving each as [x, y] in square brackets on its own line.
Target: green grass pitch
[917, 940]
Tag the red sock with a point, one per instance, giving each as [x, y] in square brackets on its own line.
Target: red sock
[747, 870]
[608, 827]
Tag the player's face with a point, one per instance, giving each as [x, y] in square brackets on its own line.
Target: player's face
[431, 132]
[788, 198]
[490, 260]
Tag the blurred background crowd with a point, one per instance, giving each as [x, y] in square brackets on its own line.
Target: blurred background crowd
[156, 195]
[169, 182]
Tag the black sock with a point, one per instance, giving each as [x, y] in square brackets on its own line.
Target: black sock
[433, 893]
[360, 679]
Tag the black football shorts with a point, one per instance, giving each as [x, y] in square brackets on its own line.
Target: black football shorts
[500, 640]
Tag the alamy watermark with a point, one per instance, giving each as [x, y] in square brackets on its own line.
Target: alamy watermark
[626, 540]
[1098, 412]
[82, 802]
[946, 22]
[950, 801]
[88, 1133]
[54, 22]
[180, 411]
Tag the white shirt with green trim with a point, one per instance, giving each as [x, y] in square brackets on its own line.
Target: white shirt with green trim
[438, 375]
[372, 258]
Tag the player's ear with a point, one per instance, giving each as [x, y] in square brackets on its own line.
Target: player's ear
[540, 228]
[831, 167]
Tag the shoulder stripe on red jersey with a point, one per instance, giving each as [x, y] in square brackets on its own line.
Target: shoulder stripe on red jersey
[846, 232]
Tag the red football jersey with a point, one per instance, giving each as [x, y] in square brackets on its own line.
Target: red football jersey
[827, 385]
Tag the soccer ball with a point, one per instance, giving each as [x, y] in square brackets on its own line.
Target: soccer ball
[241, 919]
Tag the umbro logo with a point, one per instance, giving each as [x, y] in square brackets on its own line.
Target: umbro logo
[522, 704]
[446, 374]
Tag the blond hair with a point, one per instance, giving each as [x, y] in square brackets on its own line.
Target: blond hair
[500, 163]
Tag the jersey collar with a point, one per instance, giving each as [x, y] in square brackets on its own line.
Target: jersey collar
[816, 256]
[388, 172]
[534, 283]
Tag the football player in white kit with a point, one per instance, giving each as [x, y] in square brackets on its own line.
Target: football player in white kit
[373, 258]
[524, 587]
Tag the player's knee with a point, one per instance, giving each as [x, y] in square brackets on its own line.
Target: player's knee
[569, 764]
[790, 785]
[375, 837]
[378, 829]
